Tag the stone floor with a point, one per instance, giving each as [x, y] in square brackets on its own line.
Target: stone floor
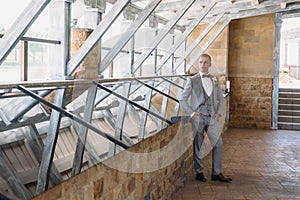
[264, 164]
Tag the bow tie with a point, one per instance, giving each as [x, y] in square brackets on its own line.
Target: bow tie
[205, 75]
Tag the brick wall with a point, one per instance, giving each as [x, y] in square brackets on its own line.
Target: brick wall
[218, 49]
[250, 70]
[104, 182]
[251, 103]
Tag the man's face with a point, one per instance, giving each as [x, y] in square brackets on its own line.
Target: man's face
[204, 64]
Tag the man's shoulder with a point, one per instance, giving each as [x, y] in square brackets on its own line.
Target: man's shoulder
[195, 76]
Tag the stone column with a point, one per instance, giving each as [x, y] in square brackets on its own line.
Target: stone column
[88, 69]
[93, 16]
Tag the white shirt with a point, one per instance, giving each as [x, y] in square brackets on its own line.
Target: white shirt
[207, 84]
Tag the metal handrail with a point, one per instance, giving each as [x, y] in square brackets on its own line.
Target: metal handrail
[57, 83]
[153, 88]
[73, 117]
[135, 104]
[32, 39]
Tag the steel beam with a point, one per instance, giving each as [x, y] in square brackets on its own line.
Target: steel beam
[13, 109]
[36, 145]
[128, 34]
[60, 83]
[197, 41]
[143, 120]
[49, 147]
[135, 104]
[120, 119]
[162, 34]
[179, 86]
[97, 34]
[72, 116]
[20, 27]
[177, 106]
[90, 150]
[83, 130]
[156, 90]
[185, 34]
[164, 105]
[10, 177]
[110, 119]
[275, 91]
[208, 43]
[40, 40]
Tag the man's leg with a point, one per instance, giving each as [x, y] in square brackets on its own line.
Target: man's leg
[214, 135]
[217, 157]
[198, 140]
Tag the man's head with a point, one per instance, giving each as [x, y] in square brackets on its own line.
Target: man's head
[204, 63]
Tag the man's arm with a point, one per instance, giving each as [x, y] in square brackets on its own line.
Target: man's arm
[183, 99]
[220, 99]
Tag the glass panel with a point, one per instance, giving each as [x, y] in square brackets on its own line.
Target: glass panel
[289, 75]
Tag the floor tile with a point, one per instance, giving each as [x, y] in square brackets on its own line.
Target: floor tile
[264, 164]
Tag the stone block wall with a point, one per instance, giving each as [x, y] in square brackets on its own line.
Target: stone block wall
[88, 69]
[250, 70]
[218, 49]
[251, 103]
[105, 182]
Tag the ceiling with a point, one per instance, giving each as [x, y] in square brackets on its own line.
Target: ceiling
[232, 9]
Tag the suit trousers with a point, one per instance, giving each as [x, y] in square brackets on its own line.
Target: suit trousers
[209, 125]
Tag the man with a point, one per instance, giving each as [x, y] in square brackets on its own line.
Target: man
[202, 100]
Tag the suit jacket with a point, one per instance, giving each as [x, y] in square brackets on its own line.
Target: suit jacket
[193, 95]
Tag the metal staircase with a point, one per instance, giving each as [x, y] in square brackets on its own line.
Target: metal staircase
[289, 109]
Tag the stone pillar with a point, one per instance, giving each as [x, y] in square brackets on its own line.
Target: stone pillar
[88, 69]
[93, 16]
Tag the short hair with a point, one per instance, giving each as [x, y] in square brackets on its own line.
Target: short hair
[205, 55]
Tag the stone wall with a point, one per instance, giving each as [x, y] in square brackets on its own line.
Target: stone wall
[106, 182]
[218, 49]
[250, 70]
[251, 102]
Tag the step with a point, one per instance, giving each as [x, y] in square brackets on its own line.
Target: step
[288, 126]
[290, 119]
[288, 107]
[289, 112]
[289, 94]
[289, 90]
[289, 100]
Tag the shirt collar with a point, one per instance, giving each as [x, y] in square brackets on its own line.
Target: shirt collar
[202, 74]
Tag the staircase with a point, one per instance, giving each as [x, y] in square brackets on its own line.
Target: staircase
[289, 109]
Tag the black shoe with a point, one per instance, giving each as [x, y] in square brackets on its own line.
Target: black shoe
[200, 177]
[221, 178]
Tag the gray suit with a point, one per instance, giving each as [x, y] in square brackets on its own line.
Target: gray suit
[195, 99]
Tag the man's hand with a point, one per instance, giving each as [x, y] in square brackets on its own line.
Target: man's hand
[217, 116]
[194, 115]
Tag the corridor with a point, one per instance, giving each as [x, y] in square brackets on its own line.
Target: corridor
[264, 164]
